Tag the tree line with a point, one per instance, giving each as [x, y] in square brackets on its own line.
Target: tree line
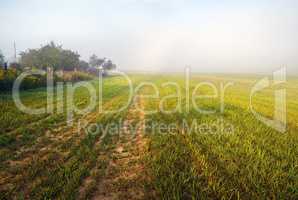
[54, 56]
[58, 59]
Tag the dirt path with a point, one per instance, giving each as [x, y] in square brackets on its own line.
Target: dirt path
[124, 178]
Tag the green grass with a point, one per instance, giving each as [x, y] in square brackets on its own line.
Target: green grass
[54, 174]
[253, 161]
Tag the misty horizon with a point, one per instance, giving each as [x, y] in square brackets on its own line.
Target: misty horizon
[160, 36]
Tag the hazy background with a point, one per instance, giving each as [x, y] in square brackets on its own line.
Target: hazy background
[255, 36]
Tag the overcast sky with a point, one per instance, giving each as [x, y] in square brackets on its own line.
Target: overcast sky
[253, 36]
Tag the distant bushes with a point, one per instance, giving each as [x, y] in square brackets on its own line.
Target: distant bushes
[7, 78]
[76, 76]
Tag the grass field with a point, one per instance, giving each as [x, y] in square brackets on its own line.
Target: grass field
[42, 157]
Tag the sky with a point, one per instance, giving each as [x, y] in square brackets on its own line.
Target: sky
[212, 36]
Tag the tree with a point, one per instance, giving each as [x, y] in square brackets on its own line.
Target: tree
[31, 59]
[109, 65]
[94, 61]
[83, 65]
[69, 60]
[105, 64]
[50, 55]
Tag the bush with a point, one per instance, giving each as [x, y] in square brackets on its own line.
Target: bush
[35, 81]
[7, 78]
[81, 76]
[76, 76]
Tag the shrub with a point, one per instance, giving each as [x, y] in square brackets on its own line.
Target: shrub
[76, 76]
[7, 78]
[81, 76]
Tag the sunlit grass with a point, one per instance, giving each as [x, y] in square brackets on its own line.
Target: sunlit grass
[44, 158]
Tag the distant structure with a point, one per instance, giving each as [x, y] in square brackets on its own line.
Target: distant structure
[15, 51]
[12, 62]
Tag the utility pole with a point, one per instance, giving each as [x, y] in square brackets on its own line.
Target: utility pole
[15, 51]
